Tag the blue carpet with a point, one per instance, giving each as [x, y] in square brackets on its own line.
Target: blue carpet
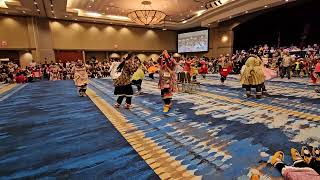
[48, 132]
[218, 139]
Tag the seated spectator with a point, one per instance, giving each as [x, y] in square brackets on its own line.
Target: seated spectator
[305, 166]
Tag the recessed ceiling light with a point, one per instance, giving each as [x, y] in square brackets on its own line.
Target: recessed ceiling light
[209, 24]
[286, 0]
[55, 17]
[201, 6]
[65, 16]
[38, 10]
[164, 29]
[35, 2]
[51, 5]
[52, 11]
[75, 19]
[246, 12]
[230, 17]
[265, 6]
[23, 12]
[185, 21]
[90, 6]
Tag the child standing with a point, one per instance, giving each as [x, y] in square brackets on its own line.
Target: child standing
[167, 79]
[81, 78]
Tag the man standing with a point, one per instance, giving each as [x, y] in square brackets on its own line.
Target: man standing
[286, 64]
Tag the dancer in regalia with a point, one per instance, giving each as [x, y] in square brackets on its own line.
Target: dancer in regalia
[81, 77]
[225, 67]
[122, 75]
[167, 79]
[203, 69]
[252, 76]
[54, 72]
[315, 76]
[138, 76]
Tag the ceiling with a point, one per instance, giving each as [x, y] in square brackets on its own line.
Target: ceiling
[181, 14]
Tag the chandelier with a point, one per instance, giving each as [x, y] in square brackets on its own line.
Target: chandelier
[147, 16]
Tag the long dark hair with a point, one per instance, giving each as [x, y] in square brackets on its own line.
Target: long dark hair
[121, 65]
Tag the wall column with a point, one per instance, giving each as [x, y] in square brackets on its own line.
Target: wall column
[221, 39]
[41, 36]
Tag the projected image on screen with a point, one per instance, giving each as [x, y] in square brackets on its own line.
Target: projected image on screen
[193, 41]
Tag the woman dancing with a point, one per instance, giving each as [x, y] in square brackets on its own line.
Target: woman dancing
[122, 83]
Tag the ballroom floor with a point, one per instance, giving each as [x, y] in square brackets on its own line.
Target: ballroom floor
[47, 131]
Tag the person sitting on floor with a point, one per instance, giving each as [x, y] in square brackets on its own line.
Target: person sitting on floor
[305, 166]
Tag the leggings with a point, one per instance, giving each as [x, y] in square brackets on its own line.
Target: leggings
[137, 83]
[83, 88]
[128, 99]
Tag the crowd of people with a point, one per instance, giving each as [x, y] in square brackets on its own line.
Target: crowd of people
[255, 66]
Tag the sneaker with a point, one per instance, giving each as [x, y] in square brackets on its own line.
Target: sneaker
[316, 153]
[295, 155]
[305, 153]
[127, 106]
[277, 158]
[117, 105]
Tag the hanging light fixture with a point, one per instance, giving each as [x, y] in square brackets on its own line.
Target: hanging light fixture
[146, 15]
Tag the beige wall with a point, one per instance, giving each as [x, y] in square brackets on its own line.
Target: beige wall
[43, 36]
[78, 35]
[14, 31]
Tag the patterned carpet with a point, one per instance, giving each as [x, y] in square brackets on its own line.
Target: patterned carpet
[48, 132]
[215, 133]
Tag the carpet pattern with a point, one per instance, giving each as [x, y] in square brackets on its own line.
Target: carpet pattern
[48, 132]
[218, 133]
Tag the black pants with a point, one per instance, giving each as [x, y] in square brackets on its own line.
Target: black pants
[128, 99]
[137, 83]
[258, 88]
[167, 101]
[223, 78]
[286, 70]
[151, 76]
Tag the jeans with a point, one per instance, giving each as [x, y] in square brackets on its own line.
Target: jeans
[286, 70]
